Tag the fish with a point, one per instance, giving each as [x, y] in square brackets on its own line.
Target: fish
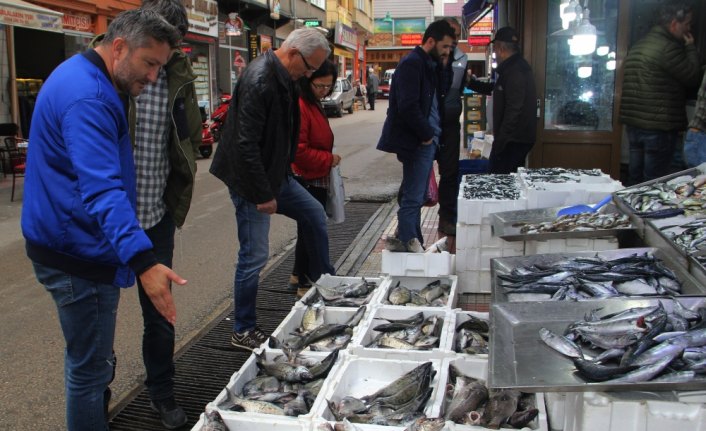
[297, 406]
[283, 370]
[213, 422]
[401, 382]
[598, 373]
[313, 316]
[399, 295]
[234, 402]
[643, 374]
[560, 343]
[522, 418]
[260, 385]
[469, 398]
[501, 405]
[426, 424]
[322, 368]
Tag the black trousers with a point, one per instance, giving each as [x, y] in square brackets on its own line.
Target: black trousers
[447, 159]
[301, 258]
[371, 99]
[509, 158]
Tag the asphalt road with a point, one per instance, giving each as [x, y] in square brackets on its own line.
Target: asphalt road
[31, 348]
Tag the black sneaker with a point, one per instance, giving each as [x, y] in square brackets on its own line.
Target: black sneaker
[170, 413]
[248, 340]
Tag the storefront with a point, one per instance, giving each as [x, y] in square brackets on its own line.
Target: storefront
[200, 45]
[345, 48]
[232, 51]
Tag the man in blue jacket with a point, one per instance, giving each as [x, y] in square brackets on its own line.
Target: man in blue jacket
[78, 219]
[413, 126]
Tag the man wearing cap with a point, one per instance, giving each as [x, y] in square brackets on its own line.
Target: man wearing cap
[514, 104]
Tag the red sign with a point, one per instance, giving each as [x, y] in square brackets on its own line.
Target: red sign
[478, 40]
[77, 22]
[411, 39]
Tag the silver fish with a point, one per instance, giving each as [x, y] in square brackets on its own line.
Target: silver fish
[213, 422]
[234, 402]
[560, 343]
[297, 406]
[284, 371]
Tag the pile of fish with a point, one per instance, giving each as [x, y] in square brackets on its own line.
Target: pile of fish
[213, 422]
[636, 345]
[557, 175]
[472, 336]
[421, 424]
[490, 187]
[468, 401]
[345, 294]
[681, 195]
[691, 236]
[577, 223]
[398, 404]
[315, 334]
[582, 278]
[282, 387]
[414, 333]
[434, 294]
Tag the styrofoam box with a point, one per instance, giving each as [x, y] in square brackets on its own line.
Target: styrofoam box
[556, 406]
[418, 264]
[570, 245]
[328, 280]
[522, 172]
[417, 284]
[461, 316]
[478, 259]
[366, 334]
[249, 371]
[331, 315]
[359, 377]
[316, 423]
[561, 194]
[236, 421]
[473, 211]
[481, 235]
[473, 281]
[590, 411]
[478, 368]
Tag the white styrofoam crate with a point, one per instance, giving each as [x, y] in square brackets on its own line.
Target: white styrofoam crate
[293, 320]
[473, 211]
[417, 284]
[570, 245]
[481, 236]
[316, 423]
[328, 280]
[478, 368]
[478, 259]
[358, 377]
[556, 406]
[461, 316]
[237, 421]
[547, 195]
[524, 174]
[366, 334]
[418, 264]
[474, 281]
[248, 371]
[588, 411]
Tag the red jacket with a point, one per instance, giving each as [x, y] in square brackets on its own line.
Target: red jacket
[313, 159]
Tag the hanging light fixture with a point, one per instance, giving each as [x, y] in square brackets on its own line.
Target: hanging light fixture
[585, 71]
[569, 13]
[388, 17]
[602, 50]
[610, 64]
[562, 6]
[584, 40]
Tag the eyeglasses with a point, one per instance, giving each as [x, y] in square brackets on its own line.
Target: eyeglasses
[306, 63]
[321, 86]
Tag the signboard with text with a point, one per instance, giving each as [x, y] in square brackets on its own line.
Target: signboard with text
[484, 27]
[411, 39]
[203, 17]
[346, 36]
[30, 19]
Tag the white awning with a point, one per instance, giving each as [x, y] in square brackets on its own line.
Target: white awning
[23, 14]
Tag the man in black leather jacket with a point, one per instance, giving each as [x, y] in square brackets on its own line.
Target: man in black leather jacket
[253, 159]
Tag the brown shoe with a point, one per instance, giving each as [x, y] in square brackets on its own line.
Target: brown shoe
[293, 284]
[301, 291]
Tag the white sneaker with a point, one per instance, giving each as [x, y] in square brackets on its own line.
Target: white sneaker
[414, 246]
[393, 244]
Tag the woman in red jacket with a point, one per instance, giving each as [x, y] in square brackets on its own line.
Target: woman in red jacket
[314, 158]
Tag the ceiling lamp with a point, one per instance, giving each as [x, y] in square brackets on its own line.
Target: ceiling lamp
[584, 40]
[585, 71]
[602, 50]
[388, 17]
[610, 64]
[569, 13]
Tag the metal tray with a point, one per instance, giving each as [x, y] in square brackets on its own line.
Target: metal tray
[690, 285]
[639, 222]
[654, 237]
[519, 359]
[503, 225]
[696, 269]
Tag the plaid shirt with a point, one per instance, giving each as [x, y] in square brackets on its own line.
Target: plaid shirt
[699, 120]
[152, 130]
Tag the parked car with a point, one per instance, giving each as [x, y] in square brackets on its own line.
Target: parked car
[385, 83]
[341, 99]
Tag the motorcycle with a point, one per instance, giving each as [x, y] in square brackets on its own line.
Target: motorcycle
[218, 118]
[207, 141]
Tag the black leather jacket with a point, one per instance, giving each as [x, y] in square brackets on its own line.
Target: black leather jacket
[259, 138]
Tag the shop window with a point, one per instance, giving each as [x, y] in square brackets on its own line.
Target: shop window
[580, 65]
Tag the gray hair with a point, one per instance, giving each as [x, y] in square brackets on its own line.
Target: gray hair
[306, 41]
[172, 10]
[139, 27]
[674, 10]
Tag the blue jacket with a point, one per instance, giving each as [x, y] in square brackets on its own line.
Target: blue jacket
[78, 214]
[413, 88]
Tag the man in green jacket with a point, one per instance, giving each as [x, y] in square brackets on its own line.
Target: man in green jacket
[658, 70]
[165, 122]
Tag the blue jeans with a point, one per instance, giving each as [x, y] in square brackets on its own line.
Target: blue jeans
[158, 336]
[294, 202]
[694, 148]
[651, 153]
[415, 179]
[87, 312]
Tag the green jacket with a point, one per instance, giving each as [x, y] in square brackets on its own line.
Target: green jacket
[185, 135]
[658, 70]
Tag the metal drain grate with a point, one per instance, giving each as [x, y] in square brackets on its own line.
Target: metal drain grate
[204, 368]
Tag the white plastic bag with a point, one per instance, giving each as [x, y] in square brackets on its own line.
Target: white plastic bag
[336, 197]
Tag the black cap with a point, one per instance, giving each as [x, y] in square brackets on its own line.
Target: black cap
[506, 34]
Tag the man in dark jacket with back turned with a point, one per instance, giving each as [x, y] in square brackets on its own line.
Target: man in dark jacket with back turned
[257, 147]
[658, 70]
[413, 126]
[514, 104]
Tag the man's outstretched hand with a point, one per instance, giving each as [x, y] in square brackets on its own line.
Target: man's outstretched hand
[157, 281]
